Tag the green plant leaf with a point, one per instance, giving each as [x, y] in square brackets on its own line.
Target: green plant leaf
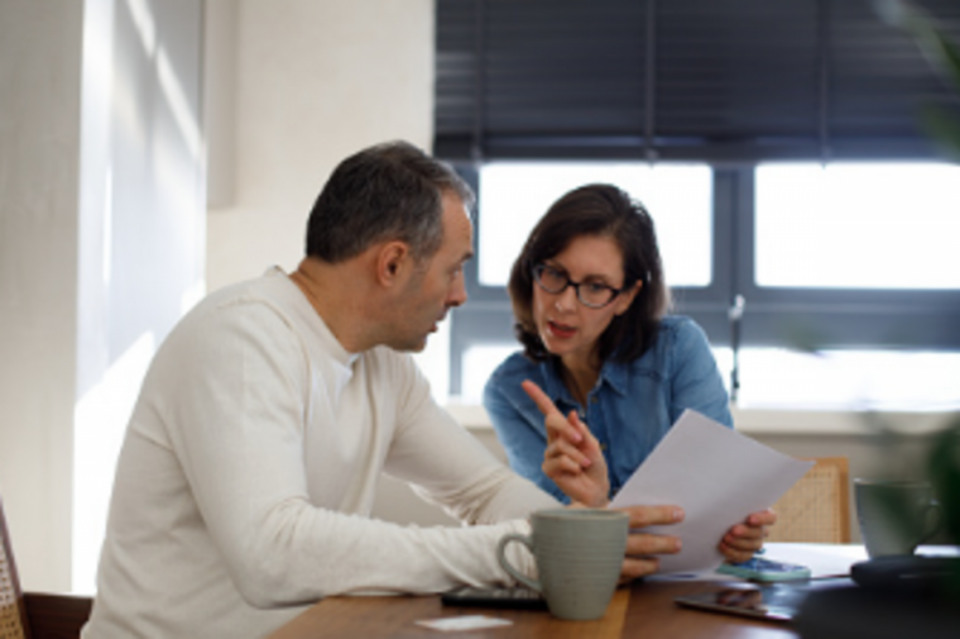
[949, 56]
[942, 54]
[943, 126]
[945, 475]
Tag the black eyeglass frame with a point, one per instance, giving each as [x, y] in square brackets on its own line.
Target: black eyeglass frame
[538, 270]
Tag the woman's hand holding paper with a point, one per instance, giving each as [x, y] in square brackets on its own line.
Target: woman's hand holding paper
[744, 539]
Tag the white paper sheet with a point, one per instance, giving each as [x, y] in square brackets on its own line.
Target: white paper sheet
[717, 476]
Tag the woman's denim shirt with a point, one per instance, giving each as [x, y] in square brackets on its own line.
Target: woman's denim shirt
[629, 410]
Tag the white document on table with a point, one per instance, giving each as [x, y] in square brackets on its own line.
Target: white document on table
[717, 476]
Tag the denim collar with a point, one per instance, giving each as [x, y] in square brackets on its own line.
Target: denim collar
[611, 373]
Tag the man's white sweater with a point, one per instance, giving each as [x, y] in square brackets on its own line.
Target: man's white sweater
[248, 473]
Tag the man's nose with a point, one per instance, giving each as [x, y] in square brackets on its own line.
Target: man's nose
[458, 295]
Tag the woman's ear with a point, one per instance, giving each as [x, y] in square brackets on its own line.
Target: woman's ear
[625, 299]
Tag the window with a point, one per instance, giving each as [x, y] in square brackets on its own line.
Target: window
[479, 362]
[689, 80]
[874, 226]
[848, 272]
[515, 195]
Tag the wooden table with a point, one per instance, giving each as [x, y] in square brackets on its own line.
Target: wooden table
[644, 610]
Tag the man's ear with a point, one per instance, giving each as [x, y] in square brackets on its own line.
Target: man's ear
[392, 258]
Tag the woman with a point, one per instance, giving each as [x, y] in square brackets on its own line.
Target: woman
[589, 297]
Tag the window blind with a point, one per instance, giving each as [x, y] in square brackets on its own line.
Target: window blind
[738, 80]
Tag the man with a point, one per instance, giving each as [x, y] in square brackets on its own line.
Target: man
[248, 471]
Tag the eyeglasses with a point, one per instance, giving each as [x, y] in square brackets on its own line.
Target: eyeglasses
[590, 294]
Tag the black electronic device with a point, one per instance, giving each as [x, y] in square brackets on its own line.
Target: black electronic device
[777, 601]
[523, 598]
[905, 572]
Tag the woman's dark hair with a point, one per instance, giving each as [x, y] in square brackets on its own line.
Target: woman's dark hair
[389, 191]
[606, 211]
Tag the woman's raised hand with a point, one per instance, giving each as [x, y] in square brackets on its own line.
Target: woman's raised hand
[572, 459]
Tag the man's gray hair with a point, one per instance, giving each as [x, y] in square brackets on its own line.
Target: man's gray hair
[391, 191]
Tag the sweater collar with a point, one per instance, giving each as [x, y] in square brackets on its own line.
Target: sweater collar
[314, 320]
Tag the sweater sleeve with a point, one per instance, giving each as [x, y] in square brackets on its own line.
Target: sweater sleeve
[237, 431]
[524, 443]
[450, 467]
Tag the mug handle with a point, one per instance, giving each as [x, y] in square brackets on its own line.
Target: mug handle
[513, 572]
[935, 507]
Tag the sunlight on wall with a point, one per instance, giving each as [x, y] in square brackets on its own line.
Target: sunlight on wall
[144, 23]
[192, 296]
[101, 418]
[173, 91]
[179, 105]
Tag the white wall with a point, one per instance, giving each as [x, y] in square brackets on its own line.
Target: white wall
[101, 249]
[314, 81]
[142, 226]
[39, 146]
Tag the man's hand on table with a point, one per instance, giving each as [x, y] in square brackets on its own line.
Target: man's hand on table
[643, 547]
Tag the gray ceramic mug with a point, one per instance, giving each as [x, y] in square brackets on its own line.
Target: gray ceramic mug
[895, 516]
[579, 554]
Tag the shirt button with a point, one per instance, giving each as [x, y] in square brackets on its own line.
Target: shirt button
[595, 399]
[603, 447]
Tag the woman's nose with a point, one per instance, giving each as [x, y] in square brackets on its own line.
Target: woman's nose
[567, 299]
